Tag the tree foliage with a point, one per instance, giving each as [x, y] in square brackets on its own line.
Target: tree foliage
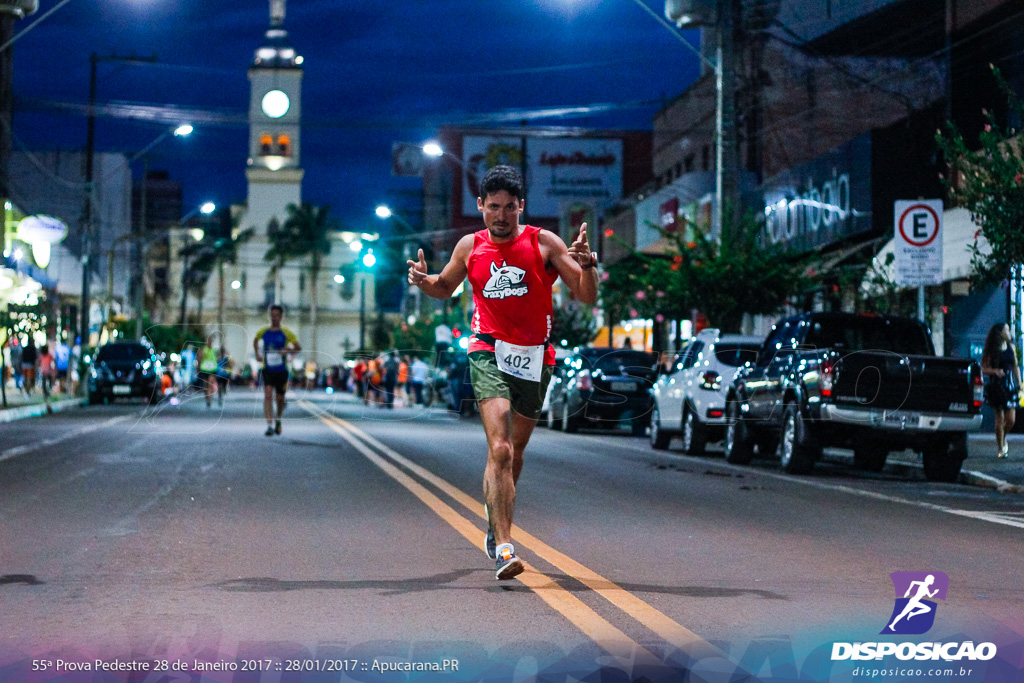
[741, 273]
[574, 323]
[989, 183]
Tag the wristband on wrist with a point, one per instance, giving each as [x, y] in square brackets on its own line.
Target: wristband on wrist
[592, 264]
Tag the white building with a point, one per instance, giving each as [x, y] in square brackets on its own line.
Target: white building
[274, 173]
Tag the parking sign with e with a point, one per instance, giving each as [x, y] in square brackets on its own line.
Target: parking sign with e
[918, 243]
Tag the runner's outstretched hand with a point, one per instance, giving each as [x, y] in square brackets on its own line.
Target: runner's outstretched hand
[417, 270]
[580, 249]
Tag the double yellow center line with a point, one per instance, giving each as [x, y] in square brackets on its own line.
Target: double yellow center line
[593, 625]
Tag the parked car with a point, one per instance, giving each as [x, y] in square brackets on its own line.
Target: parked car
[603, 387]
[562, 355]
[868, 382]
[689, 399]
[124, 370]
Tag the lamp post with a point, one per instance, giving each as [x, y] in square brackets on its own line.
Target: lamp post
[140, 237]
[138, 276]
[368, 260]
[205, 209]
[87, 218]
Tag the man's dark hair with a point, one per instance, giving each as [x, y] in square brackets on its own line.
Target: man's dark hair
[502, 178]
[278, 307]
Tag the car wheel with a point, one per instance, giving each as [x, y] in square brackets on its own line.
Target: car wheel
[796, 453]
[870, 458]
[739, 446]
[569, 424]
[659, 439]
[695, 434]
[943, 460]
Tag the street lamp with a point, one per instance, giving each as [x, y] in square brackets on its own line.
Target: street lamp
[369, 261]
[206, 209]
[138, 280]
[138, 237]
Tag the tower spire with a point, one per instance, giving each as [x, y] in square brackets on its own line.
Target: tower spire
[276, 13]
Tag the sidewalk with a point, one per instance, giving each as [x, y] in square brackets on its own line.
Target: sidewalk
[981, 468]
[20, 406]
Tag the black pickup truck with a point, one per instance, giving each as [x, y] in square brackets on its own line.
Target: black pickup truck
[868, 382]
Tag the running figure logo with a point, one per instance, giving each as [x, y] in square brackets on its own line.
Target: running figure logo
[914, 614]
[503, 281]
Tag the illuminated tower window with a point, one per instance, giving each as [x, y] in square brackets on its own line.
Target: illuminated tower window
[284, 145]
[266, 144]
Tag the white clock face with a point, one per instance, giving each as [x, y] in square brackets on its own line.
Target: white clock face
[275, 104]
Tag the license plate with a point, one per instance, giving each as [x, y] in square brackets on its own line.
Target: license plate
[623, 386]
[122, 389]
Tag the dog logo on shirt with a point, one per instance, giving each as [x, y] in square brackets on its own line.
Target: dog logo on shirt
[504, 282]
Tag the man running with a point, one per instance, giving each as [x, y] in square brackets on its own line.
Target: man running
[511, 268]
[278, 342]
[208, 369]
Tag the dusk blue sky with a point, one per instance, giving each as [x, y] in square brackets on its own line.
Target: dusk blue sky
[375, 72]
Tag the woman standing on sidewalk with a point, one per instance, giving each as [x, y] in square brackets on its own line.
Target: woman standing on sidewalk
[999, 362]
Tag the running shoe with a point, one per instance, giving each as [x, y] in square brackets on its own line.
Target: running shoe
[507, 565]
[270, 430]
[277, 426]
[490, 545]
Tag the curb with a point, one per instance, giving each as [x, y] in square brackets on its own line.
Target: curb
[967, 477]
[37, 409]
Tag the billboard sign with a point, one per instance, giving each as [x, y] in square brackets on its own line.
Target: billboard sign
[559, 170]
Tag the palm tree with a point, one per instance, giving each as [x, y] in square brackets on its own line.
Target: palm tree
[304, 234]
[217, 247]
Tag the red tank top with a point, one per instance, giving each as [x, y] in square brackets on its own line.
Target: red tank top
[511, 291]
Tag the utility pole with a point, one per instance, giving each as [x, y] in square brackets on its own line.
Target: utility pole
[10, 10]
[138, 281]
[726, 153]
[87, 229]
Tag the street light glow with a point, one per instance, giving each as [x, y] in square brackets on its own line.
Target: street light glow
[355, 245]
[339, 278]
[383, 211]
[369, 259]
[208, 208]
[432, 149]
[236, 284]
[183, 130]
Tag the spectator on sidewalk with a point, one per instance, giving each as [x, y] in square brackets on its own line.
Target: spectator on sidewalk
[47, 370]
[16, 349]
[420, 371]
[62, 358]
[29, 362]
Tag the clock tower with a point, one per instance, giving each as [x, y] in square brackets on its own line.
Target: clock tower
[274, 171]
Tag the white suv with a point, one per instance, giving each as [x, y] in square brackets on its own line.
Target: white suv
[689, 398]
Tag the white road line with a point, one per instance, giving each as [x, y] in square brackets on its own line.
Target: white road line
[29, 447]
[980, 515]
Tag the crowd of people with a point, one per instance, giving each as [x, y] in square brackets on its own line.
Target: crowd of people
[46, 368]
[388, 378]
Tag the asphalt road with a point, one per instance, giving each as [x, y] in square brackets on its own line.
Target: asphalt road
[183, 534]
